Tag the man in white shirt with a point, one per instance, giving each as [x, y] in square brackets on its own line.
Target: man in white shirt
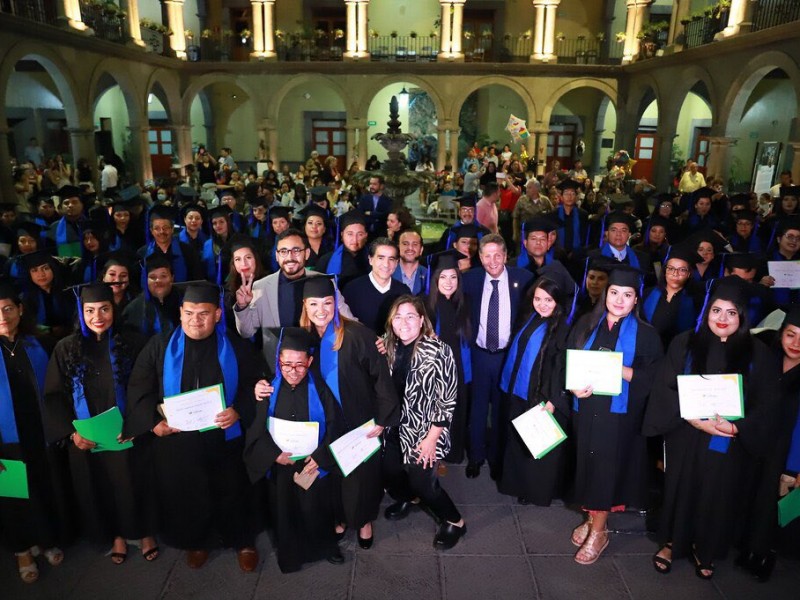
[785, 181]
[109, 177]
[692, 180]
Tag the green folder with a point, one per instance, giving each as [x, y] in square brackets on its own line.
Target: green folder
[789, 507]
[103, 430]
[14, 479]
[69, 249]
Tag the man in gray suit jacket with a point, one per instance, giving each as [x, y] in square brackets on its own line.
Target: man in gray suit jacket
[273, 302]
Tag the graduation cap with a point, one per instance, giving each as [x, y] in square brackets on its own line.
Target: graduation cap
[790, 190]
[742, 260]
[740, 198]
[239, 241]
[8, 206]
[663, 198]
[99, 227]
[120, 205]
[37, 259]
[568, 184]
[161, 211]
[620, 217]
[219, 211]
[659, 221]
[157, 261]
[792, 316]
[312, 210]
[9, 290]
[785, 225]
[467, 230]
[251, 193]
[711, 237]
[318, 286]
[467, 201]
[200, 291]
[29, 229]
[46, 197]
[544, 224]
[70, 191]
[294, 338]
[619, 201]
[318, 193]
[353, 217]
[624, 275]
[280, 212]
[746, 215]
[185, 193]
[703, 192]
[95, 291]
[684, 252]
[258, 201]
[130, 193]
[731, 288]
[440, 261]
[201, 210]
[228, 191]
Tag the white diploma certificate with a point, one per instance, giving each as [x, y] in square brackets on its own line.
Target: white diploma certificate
[598, 368]
[355, 448]
[786, 273]
[300, 438]
[539, 430]
[705, 396]
[195, 410]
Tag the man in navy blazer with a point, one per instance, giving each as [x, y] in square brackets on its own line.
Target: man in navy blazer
[497, 289]
[376, 207]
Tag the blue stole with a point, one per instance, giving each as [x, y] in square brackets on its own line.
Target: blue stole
[523, 260]
[753, 244]
[173, 371]
[686, 318]
[61, 232]
[633, 260]
[521, 382]
[15, 269]
[451, 235]
[156, 321]
[793, 459]
[335, 262]
[626, 343]
[210, 260]
[466, 355]
[38, 359]
[718, 443]
[329, 361]
[183, 236]
[576, 228]
[316, 412]
[120, 389]
[178, 262]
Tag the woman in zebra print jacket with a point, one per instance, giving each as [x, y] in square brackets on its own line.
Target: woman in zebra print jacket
[424, 372]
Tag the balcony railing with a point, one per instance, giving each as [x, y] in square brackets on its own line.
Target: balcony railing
[769, 13]
[43, 11]
[588, 51]
[701, 30]
[403, 48]
[107, 20]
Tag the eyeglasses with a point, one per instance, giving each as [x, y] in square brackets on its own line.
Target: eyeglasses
[791, 238]
[284, 252]
[678, 270]
[298, 367]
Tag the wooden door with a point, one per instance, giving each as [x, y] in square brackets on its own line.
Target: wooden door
[644, 155]
[560, 144]
[161, 148]
[478, 44]
[329, 138]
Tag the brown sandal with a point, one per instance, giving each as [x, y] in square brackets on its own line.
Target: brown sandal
[581, 532]
[29, 573]
[592, 548]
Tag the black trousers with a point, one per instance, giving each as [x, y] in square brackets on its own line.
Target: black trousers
[404, 482]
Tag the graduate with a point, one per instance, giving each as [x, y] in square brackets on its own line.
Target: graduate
[350, 258]
[670, 306]
[44, 294]
[185, 262]
[201, 479]
[359, 379]
[93, 245]
[215, 256]
[611, 452]
[157, 308]
[449, 310]
[315, 228]
[708, 461]
[86, 376]
[42, 521]
[115, 270]
[192, 233]
[126, 234]
[67, 232]
[534, 374]
[27, 240]
[303, 519]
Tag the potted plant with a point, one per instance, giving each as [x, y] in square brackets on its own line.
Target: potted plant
[468, 34]
[620, 36]
[560, 36]
[245, 35]
[373, 33]
[338, 34]
[601, 37]
[413, 35]
[393, 34]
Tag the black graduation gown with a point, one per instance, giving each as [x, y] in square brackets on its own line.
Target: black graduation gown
[538, 481]
[705, 491]
[106, 484]
[194, 266]
[671, 318]
[303, 520]
[444, 321]
[58, 308]
[367, 392]
[611, 452]
[352, 265]
[370, 306]
[140, 314]
[44, 518]
[201, 482]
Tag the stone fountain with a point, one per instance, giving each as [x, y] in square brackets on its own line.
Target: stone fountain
[400, 182]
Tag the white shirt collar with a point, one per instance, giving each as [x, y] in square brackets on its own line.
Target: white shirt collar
[381, 289]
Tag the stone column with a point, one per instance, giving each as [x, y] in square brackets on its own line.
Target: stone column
[263, 30]
[540, 149]
[82, 145]
[719, 157]
[441, 148]
[549, 40]
[6, 177]
[362, 10]
[177, 41]
[795, 159]
[681, 10]
[351, 48]
[362, 146]
[142, 163]
[739, 19]
[272, 144]
[458, 28]
[352, 149]
[183, 143]
[452, 30]
[131, 7]
[69, 13]
[447, 33]
[638, 11]
[454, 133]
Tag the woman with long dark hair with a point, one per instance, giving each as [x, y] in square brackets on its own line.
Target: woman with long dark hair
[86, 376]
[44, 294]
[424, 374]
[448, 308]
[359, 379]
[610, 449]
[41, 520]
[534, 374]
[707, 460]
[215, 267]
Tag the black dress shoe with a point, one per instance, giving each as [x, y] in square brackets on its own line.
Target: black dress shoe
[745, 560]
[397, 511]
[448, 535]
[762, 566]
[473, 470]
[340, 535]
[365, 543]
[522, 500]
[336, 558]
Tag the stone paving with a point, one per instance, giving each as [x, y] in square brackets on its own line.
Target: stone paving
[510, 551]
